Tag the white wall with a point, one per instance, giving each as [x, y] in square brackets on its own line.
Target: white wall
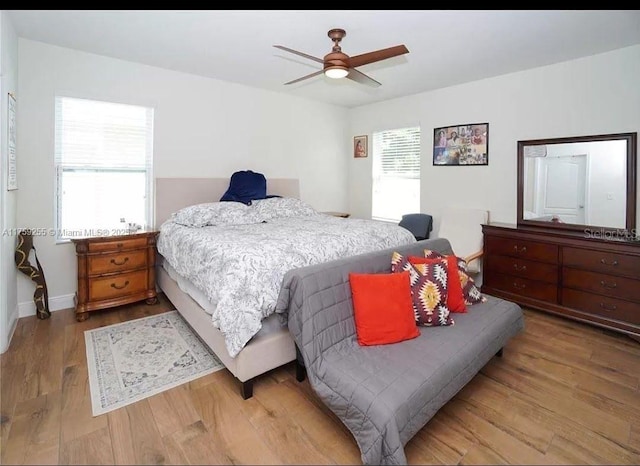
[203, 128]
[8, 199]
[592, 95]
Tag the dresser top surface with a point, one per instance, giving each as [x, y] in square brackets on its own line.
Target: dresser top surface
[113, 234]
[602, 236]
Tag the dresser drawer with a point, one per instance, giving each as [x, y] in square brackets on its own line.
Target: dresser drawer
[126, 260]
[523, 286]
[117, 285]
[524, 249]
[607, 262]
[118, 245]
[603, 306]
[523, 268]
[609, 285]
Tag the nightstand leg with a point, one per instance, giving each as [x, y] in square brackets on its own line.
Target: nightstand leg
[151, 301]
[82, 316]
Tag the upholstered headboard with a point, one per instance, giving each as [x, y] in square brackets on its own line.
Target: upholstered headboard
[172, 194]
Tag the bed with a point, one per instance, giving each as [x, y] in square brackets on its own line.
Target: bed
[253, 339]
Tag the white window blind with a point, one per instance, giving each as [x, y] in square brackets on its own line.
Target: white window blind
[396, 173]
[103, 160]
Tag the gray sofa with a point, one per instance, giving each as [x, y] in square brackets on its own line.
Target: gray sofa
[385, 394]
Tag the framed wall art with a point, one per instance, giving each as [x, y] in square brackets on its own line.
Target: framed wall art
[461, 145]
[360, 148]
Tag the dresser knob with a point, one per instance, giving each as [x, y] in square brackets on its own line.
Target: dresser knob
[518, 286]
[113, 285]
[124, 261]
[521, 250]
[604, 262]
[519, 269]
[613, 307]
[607, 285]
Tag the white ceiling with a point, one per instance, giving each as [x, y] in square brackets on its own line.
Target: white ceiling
[446, 47]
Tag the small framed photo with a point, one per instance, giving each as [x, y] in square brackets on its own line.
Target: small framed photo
[461, 145]
[360, 148]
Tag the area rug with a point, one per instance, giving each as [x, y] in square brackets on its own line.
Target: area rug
[134, 360]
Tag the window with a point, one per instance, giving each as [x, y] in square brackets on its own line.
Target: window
[396, 173]
[103, 160]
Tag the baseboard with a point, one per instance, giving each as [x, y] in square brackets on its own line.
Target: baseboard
[7, 343]
[55, 304]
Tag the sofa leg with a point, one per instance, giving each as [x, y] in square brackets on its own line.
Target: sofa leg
[301, 372]
[500, 352]
[246, 389]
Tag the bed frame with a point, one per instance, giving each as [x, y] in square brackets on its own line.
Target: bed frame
[263, 352]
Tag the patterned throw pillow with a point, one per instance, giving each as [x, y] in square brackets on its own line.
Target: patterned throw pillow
[470, 291]
[428, 289]
[455, 298]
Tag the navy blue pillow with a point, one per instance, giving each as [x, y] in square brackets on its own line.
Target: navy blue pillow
[246, 186]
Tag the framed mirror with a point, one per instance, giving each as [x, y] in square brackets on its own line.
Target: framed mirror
[577, 183]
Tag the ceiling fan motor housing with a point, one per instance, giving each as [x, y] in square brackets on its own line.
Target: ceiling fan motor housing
[336, 59]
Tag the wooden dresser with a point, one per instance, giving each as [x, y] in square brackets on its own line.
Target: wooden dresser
[115, 270]
[587, 279]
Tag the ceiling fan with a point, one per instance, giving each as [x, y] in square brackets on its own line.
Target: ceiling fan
[338, 65]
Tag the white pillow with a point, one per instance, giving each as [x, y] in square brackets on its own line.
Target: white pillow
[281, 207]
[214, 213]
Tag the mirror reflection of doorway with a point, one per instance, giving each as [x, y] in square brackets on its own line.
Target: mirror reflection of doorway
[561, 189]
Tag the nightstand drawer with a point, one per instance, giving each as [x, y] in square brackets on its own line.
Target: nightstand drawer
[524, 249]
[117, 285]
[118, 245]
[107, 263]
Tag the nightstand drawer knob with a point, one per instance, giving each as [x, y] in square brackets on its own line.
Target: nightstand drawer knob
[119, 245]
[520, 268]
[521, 250]
[113, 285]
[124, 261]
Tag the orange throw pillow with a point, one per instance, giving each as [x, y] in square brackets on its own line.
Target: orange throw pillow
[455, 298]
[383, 308]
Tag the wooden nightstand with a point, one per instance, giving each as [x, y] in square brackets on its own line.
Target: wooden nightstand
[338, 214]
[115, 270]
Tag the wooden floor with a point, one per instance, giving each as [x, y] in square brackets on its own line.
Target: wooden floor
[564, 393]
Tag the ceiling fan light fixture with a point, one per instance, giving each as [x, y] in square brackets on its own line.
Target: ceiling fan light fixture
[336, 72]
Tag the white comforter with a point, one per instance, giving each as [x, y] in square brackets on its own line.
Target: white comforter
[240, 267]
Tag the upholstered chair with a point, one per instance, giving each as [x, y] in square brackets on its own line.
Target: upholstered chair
[420, 225]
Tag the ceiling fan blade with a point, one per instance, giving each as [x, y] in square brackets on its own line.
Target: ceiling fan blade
[362, 78]
[287, 49]
[305, 77]
[378, 55]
